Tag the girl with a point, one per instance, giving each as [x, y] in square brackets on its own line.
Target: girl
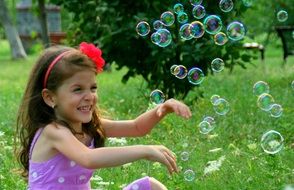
[62, 134]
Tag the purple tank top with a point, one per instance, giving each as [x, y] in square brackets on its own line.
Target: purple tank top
[58, 173]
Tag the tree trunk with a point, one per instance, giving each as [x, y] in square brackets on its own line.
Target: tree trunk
[11, 33]
[43, 22]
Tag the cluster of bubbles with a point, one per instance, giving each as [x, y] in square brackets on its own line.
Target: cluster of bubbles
[271, 141]
[212, 24]
[265, 101]
[195, 75]
[220, 105]
[189, 174]
[282, 16]
[206, 125]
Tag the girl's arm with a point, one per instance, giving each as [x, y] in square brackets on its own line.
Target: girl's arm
[144, 123]
[61, 139]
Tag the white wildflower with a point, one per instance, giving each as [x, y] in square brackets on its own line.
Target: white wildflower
[105, 183]
[127, 165]
[214, 165]
[116, 141]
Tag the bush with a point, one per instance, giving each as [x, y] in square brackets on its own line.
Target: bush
[111, 25]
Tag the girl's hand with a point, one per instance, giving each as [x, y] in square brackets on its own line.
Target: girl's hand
[176, 106]
[159, 153]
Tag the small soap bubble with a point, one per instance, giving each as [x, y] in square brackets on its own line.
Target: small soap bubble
[276, 110]
[226, 5]
[165, 38]
[185, 156]
[189, 175]
[178, 8]
[265, 101]
[182, 17]
[205, 127]
[260, 87]
[221, 106]
[282, 16]
[272, 142]
[173, 70]
[157, 96]
[236, 31]
[143, 28]
[181, 71]
[195, 76]
[185, 32]
[195, 2]
[167, 18]
[158, 25]
[198, 12]
[220, 39]
[210, 120]
[155, 38]
[197, 29]
[212, 24]
[214, 98]
[217, 65]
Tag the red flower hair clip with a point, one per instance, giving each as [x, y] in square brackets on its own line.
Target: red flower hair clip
[94, 54]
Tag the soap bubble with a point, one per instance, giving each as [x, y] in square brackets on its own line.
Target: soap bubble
[282, 16]
[236, 31]
[198, 12]
[178, 8]
[185, 32]
[220, 39]
[195, 76]
[226, 5]
[212, 24]
[195, 2]
[189, 175]
[185, 156]
[272, 142]
[265, 101]
[181, 71]
[165, 37]
[221, 106]
[260, 87]
[197, 29]
[157, 96]
[167, 18]
[214, 98]
[143, 28]
[205, 127]
[217, 65]
[173, 70]
[210, 120]
[158, 25]
[276, 110]
[155, 38]
[182, 17]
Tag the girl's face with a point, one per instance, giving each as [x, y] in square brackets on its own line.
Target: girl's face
[76, 98]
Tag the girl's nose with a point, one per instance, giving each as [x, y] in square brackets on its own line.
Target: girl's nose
[89, 96]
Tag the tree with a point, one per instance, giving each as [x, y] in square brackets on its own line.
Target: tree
[111, 24]
[43, 22]
[11, 33]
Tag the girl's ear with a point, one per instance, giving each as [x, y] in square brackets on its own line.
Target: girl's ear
[48, 97]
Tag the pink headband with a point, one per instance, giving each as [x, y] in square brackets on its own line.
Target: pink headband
[90, 50]
[51, 66]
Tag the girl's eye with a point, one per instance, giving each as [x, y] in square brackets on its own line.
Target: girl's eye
[94, 89]
[77, 89]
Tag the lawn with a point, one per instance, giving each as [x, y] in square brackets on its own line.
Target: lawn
[234, 144]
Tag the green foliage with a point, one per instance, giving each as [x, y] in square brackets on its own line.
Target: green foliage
[111, 25]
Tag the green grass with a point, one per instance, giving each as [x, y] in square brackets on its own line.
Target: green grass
[238, 133]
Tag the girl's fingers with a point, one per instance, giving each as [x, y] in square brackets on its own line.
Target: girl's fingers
[172, 166]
